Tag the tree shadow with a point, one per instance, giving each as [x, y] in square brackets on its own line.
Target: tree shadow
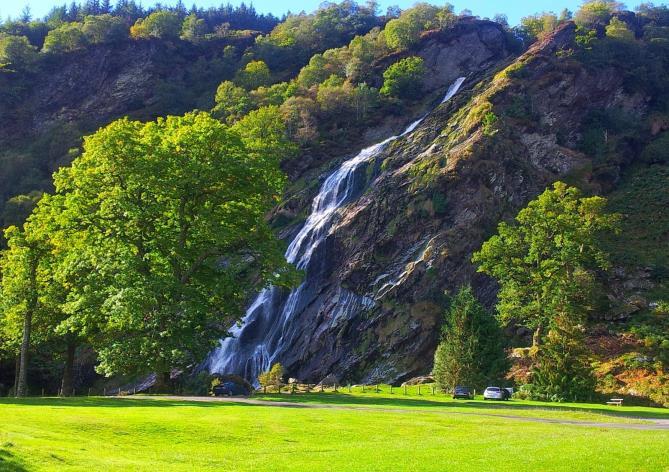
[9, 463]
[336, 399]
[401, 401]
[102, 402]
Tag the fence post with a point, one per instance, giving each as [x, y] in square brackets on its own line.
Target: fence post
[418, 389]
[264, 389]
[349, 387]
[104, 391]
[377, 388]
[322, 389]
[405, 389]
[42, 392]
[391, 389]
[433, 390]
[363, 388]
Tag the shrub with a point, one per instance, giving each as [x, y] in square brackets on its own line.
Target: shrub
[489, 124]
[16, 51]
[618, 29]
[272, 377]
[404, 79]
[254, 75]
[67, 37]
[161, 24]
[104, 29]
[657, 152]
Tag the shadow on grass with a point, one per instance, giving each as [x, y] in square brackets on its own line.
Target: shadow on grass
[331, 398]
[101, 402]
[8, 463]
[401, 401]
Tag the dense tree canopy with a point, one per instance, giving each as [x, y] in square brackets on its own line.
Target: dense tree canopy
[165, 232]
[544, 264]
[544, 261]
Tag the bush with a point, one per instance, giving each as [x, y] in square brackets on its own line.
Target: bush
[67, 37]
[16, 51]
[104, 29]
[232, 102]
[160, 24]
[254, 75]
[657, 152]
[562, 371]
[272, 377]
[404, 79]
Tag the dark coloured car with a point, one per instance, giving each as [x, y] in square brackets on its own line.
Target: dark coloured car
[229, 389]
[463, 392]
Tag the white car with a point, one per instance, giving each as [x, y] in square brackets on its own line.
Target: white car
[495, 393]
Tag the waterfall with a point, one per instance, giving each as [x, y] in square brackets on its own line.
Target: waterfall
[266, 332]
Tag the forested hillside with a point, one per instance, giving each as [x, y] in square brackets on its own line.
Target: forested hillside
[137, 262]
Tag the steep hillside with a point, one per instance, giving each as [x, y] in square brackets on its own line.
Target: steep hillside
[434, 197]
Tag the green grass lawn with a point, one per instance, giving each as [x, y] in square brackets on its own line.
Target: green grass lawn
[98, 434]
[444, 402]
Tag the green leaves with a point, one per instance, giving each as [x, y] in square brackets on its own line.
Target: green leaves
[404, 79]
[471, 351]
[156, 235]
[544, 262]
[545, 265]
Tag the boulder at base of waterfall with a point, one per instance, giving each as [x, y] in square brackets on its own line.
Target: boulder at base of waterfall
[231, 385]
[292, 380]
[423, 379]
[329, 381]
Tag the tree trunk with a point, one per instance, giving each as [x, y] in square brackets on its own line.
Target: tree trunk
[21, 386]
[163, 382]
[16, 372]
[536, 340]
[66, 386]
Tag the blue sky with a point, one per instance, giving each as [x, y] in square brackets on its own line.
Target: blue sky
[512, 8]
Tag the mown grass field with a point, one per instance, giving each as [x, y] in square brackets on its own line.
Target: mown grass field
[355, 432]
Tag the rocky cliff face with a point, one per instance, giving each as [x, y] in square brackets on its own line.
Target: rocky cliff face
[101, 83]
[433, 197]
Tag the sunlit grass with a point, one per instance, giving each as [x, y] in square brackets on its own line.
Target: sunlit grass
[99, 434]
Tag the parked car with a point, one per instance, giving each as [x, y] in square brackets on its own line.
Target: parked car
[496, 393]
[228, 389]
[463, 392]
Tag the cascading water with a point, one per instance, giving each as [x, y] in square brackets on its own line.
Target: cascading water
[265, 331]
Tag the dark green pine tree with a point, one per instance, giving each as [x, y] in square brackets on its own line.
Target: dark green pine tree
[471, 351]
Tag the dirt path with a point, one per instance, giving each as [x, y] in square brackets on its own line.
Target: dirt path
[649, 423]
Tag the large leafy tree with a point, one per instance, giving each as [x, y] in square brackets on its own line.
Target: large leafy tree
[545, 261]
[166, 221]
[33, 292]
[471, 351]
[545, 265]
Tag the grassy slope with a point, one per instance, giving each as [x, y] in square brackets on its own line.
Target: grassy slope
[114, 434]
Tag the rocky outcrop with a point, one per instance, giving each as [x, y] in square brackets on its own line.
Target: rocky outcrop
[91, 87]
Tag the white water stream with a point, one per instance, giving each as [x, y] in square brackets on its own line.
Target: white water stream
[266, 331]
